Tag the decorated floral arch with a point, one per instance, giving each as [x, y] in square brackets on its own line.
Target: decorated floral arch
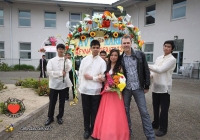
[99, 27]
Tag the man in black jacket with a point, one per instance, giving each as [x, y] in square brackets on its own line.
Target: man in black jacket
[137, 75]
[43, 64]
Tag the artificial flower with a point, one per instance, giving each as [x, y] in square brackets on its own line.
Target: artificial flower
[106, 36]
[66, 47]
[135, 29]
[52, 39]
[69, 36]
[83, 37]
[79, 29]
[140, 42]
[89, 22]
[107, 13]
[115, 34]
[120, 8]
[77, 48]
[92, 34]
[120, 18]
[115, 25]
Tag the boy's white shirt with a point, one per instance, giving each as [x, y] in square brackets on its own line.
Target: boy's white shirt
[55, 68]
[94, 66]
[161, 74]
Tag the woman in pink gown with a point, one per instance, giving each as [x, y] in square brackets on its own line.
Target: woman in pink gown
[111, 121]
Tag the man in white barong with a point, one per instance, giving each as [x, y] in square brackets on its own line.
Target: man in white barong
[58, 70]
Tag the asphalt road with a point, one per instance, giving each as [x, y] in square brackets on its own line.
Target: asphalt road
[184, 114]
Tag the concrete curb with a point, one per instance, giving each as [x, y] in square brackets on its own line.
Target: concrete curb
[23, 122]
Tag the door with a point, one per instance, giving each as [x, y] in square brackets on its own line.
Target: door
[179, 60]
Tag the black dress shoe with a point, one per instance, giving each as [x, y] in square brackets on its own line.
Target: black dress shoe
[48, 122]
[59, 121]
[86, 134]
[160, 133]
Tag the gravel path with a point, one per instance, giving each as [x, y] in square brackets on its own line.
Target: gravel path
[184, 121]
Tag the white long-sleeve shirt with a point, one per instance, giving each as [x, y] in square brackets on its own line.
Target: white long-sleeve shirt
[92, 66]
[161, 73]
[55, 69]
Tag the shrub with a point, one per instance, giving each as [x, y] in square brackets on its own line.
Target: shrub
[2, 86]
[41, 86]
[23, 67]
[3, 108]
[4, 67]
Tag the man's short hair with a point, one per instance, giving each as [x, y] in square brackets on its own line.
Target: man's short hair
[94, 42]
[43, 55]
[103, 52]
[125, 37]
[171, 42]
[60, 46]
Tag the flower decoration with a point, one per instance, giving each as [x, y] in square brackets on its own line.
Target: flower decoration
[116, 82]
[115, 34]
[122, 25]
[106, 36]
[66, 47]
[92, 34]
[83, 37]
[52, 40]
[42, 50]
[9, 128]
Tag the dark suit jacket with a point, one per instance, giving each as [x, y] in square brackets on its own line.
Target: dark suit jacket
[44, 64]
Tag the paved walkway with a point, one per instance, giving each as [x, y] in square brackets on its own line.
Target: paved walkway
[184, 113]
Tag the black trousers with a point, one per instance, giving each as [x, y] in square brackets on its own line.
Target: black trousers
[90, 105]
[53, 99]
[161, 103]
[41, 74]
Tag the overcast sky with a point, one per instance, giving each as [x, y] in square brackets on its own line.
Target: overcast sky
[93, 1]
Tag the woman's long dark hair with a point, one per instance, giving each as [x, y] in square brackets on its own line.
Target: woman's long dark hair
[118, 63]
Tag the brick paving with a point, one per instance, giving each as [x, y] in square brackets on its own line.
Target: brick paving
[184, 121]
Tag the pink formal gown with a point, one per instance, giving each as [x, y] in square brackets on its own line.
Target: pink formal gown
[111, 121]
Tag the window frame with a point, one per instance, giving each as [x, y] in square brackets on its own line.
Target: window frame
[2, 17]
[50, 19]
[24, 18]
[2, 50]
[24, 50]
[149, 52]
[74, 20]
[172, 9]
[145, 15]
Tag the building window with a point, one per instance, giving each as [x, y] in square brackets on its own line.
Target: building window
[150, 14]
[24, 18]
[25, 50]
[1, 17]
[178, 9]
[50, 55]
[50, 19]
[2, 54]
[148, 50]
[74, 19]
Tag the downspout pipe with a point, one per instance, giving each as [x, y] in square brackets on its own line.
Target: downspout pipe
[137, 14]
[11, 35]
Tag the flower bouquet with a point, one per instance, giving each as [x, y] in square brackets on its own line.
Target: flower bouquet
[42, 50]
[116, 82]
[53, 40]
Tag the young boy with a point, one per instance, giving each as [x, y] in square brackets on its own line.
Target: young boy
[92, 66]
[58, 83]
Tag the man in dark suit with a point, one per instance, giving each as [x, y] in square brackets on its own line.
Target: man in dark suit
[43, 64]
